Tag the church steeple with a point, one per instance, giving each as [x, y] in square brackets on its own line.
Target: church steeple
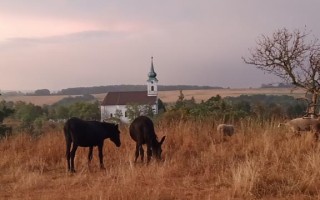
[152, 82]
[152, 74]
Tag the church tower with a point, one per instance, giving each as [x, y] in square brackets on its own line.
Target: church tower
[152, 82]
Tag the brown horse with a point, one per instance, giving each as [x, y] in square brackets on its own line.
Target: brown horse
[88, 134]
[142, 132]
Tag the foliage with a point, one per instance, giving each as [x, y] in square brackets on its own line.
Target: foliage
[33, 117]
[126, 88]
[59, 112]
[83, 107]
[118, 114]
[161, 106]
[116, 118]
[42, 92]
[262, 108]
[85, 110]
[229, 109]
[269, 106]
[135, 110]
[215, 108]
[5, 111]
[71, 100]
[27, 113]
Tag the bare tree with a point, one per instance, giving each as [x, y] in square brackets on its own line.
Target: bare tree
[292, 57]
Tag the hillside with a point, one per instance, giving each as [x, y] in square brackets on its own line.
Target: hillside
[166, 96]
[125, 88]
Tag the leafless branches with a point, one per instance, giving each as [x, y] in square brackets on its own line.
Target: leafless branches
[290, 56]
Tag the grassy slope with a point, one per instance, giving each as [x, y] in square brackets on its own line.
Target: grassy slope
[167, 96]
[258, 162]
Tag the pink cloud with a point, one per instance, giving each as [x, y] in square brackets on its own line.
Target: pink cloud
[29, 26]
[16, 26]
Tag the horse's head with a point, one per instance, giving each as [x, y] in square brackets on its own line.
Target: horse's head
[115, 135]
[157, 150]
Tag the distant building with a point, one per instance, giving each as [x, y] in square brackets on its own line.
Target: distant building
[115, 102]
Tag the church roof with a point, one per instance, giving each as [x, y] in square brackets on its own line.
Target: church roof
[125, 98]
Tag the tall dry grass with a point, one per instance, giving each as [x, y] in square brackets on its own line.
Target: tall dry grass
[259, 162]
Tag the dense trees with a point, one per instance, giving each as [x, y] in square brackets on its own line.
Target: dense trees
[119, 88]
[32, 118]
[35, 119]
[41, 92]
[135, 110]
[5, 111]
[258, 107]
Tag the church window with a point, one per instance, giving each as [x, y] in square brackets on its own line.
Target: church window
[152, 88]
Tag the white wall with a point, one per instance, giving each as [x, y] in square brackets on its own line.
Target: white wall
[106, 112]
[155, 88]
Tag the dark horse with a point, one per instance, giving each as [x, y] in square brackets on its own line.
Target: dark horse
[142, 132]
[88, 134]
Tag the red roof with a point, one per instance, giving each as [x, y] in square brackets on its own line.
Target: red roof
[125, 98]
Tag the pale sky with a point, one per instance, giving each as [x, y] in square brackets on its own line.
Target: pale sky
[57, 44]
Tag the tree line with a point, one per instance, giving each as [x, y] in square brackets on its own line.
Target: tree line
[261, 108]
[113, 88]
[34, 119]
[27, 117]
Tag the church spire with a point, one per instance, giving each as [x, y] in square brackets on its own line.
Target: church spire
[152, 74]
[152, 81]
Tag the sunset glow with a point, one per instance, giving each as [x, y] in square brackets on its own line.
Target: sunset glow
[59, 44]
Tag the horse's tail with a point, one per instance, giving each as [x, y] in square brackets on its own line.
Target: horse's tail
[67, 133]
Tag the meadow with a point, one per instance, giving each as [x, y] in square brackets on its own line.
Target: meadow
[261, 161]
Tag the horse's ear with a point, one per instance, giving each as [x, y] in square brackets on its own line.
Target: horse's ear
[162, 139]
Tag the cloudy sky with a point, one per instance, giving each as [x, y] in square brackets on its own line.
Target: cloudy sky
[58, 44]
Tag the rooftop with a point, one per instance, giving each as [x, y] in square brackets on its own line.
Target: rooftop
[125, 98]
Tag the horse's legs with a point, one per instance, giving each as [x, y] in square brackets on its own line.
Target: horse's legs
[90, 155]
[137, 152]
[317, 134]
[141, 153]
[73, 153]
[149, 153]
[100, 147]
[68, 147]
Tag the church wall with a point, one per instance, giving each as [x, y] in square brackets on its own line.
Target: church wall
[106, 112]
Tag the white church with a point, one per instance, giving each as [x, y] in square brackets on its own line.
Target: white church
[117, 101]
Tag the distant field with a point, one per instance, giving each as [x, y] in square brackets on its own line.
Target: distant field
[172, 96]
[168, 96]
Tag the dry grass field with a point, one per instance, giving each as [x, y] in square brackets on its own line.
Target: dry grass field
[258, 162]
[168, 96]
[199, 95]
